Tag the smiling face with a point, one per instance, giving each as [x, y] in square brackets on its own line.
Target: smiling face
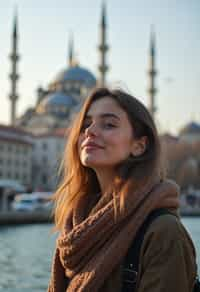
[106, 138]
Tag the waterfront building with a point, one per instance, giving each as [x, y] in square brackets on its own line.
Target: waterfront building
[15, 154]
[32, 160]
[47, 154]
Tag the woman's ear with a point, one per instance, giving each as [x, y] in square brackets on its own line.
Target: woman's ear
[139, 146]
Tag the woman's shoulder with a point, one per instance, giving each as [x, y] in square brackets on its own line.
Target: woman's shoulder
[166, 230]
[166, 223]
[168, 252]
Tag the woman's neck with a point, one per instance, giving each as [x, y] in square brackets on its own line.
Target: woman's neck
[105, 178]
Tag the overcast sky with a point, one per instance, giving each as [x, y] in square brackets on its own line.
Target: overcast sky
[44, 29]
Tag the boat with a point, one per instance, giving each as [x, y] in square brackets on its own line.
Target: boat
[190, 203]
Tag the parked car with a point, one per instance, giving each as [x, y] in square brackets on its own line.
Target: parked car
[31, 202]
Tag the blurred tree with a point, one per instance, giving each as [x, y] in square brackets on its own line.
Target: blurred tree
[182, 161]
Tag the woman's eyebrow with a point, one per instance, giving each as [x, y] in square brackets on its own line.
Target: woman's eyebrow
[105, 115]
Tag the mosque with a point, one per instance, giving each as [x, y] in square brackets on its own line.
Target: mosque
[60, 101]
[57, 104]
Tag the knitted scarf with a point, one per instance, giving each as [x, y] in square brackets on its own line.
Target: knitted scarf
[90, 248]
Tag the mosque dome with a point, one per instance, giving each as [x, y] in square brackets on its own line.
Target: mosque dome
[191, 128]
[77, 74]
[56, 103]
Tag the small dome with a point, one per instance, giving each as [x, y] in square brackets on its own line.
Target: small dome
[76, 73]
[56, 103]
[191, 128]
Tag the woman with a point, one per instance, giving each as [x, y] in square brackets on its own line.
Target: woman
[112, 181]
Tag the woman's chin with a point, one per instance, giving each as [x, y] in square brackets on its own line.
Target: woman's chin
[92, 163]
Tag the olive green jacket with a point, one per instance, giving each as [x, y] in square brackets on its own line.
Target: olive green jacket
[167, 258]
[166, 261]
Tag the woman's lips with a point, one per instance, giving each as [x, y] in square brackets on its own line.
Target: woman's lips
[91, 145]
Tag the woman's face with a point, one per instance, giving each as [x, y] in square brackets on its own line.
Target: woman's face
[106, 138]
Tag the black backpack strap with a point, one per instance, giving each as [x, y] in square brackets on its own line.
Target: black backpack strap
[197, 285]
[131, 263]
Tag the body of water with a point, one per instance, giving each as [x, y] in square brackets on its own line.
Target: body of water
[26, 253]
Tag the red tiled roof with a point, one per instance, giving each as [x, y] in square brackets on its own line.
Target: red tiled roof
[63, 132]
[60, 133]
[14, 134]
[16, 141]
[13, 129]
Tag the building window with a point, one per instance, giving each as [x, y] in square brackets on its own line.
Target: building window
[1, 160]
[44, 159]
[16, 175]
[58, 147]
[76, 85]
[44, 146]
[25, 150]
[67, 86]
[9, 148]
[44, 179]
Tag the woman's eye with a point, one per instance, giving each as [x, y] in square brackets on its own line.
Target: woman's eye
[109, 125]
[85, 126]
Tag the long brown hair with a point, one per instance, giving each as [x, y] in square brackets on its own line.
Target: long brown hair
[78, 180]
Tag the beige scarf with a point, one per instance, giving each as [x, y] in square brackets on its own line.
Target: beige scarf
[90, 248]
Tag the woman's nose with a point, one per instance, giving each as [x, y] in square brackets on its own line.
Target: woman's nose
[91, 130]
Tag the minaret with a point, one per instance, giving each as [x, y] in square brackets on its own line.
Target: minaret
[103, 48]
[14, 76]
[152, 73]
[71, 51]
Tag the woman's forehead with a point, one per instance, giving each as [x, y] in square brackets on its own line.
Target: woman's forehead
[106, 106]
